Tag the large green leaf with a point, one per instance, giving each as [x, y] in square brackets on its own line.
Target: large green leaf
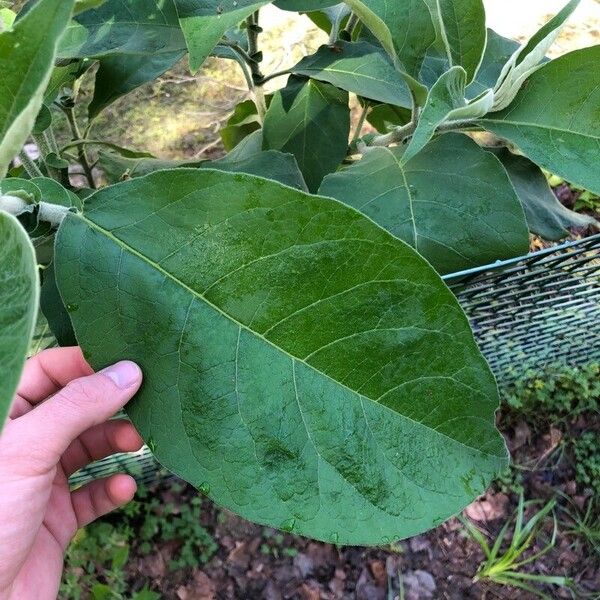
[130, 27]
[453, 202]
[357, 67]
[546, 216]
[19, 292]
[204, 22]
[122, 73]
[555, 118]
[405, 29]
[26, 59]
[302, 366]
[461, 32]
[311, 120]
[446, 102]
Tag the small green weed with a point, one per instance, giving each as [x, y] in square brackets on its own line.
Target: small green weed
[583, 526]
[559, 394]
[95, 563]
[586, 454]
[503, 566]
[510, 481]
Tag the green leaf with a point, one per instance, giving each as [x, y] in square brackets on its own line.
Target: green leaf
[385, 117]
[204, 23]
[54, 193]
[555, 118]
[311, 120]
[241, 124]
[19, 292]
[529, 58]
[65, 77]
[305, 5]
[270, 164]
[53, 308]
[546, 216]
[130, 27]
[334, 17]
[83, 5]
[446, 102]
[357, 67]
[461, 32]
[453, 202]
[120, 74]
[7, 18]
[497, 52]
[405, 29]
[302, 367]
[125, 152]
[247, 157]
[26, 59]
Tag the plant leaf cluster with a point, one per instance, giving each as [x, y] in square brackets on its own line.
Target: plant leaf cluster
[305, 365]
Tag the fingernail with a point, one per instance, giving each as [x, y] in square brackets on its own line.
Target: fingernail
[123, 374]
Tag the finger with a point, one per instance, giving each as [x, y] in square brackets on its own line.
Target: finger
[50, 427]
[99, 442]
[49, 371]
[102, 496]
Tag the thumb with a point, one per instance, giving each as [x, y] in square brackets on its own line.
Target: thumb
[51, 426]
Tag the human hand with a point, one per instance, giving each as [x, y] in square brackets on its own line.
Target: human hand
[57, 425]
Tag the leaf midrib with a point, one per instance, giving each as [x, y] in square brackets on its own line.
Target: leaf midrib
[124, 246]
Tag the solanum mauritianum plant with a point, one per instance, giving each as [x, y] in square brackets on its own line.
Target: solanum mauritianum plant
[305, 365]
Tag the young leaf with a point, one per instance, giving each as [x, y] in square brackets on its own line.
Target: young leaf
[205, 23]
[452, 202]
[405, 29]
[529, 58]
[546, 216]
[446, 102]
[122, 73]
[132, 27]
[19, 292]
[461, 32]
[357, 67]
[26, 59]
[241, 124]
[330, 19]
[554, 118]
[301, 365]
[311, 120]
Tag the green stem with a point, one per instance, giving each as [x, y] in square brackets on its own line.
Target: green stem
[399, 134]
[253, 30]
[76, 134]
[29, 165]
[361, 122]
[275, 75]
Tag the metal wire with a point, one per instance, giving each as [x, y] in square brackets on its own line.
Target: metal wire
[525, 312]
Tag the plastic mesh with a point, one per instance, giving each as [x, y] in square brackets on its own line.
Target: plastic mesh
[526, 312]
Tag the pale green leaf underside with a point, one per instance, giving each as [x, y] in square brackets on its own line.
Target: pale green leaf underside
[555, 118]
[26, 60]
[19, 293]
[453, 201]
[302, 366]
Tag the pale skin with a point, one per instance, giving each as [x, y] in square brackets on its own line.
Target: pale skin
[59, 423]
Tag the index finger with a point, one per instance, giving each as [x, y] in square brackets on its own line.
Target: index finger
[49, 371]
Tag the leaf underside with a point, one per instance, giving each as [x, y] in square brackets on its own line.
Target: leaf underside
[19, 291]
[302, 366]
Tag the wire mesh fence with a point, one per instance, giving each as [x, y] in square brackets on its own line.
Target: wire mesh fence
[526, 313]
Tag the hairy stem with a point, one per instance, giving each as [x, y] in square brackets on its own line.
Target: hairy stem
[76, 135]
[399, 134]
[29, 165]
[353, 21]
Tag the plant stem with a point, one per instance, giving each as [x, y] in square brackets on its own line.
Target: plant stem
[253, 29]
[274, 75]
[398, 134]
[361, 122]
[76, 135]
[29, 165]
